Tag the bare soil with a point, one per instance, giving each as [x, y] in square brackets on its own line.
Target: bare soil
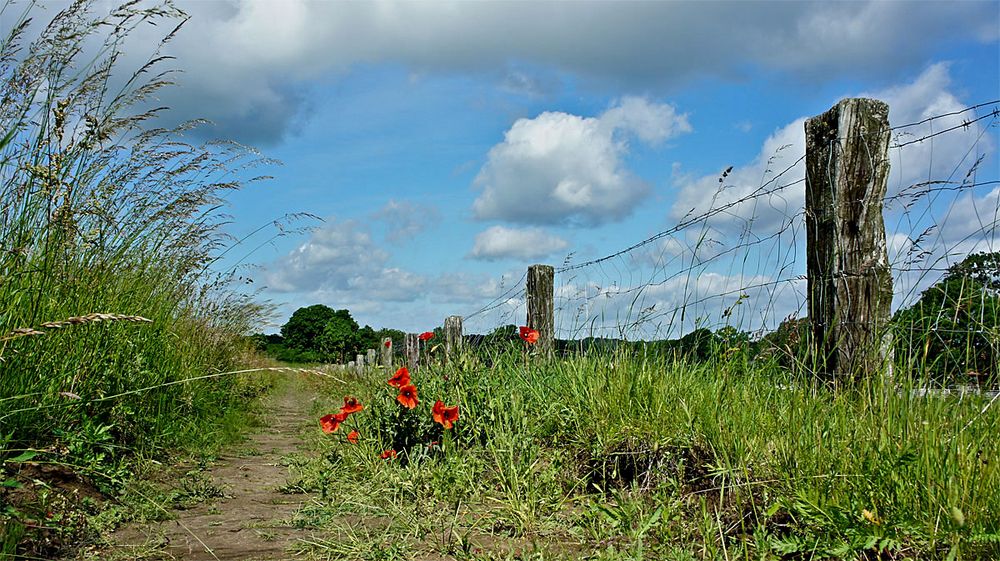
[252, 521]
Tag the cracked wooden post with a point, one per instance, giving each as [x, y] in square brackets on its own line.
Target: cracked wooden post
[541, 282]
[370, 359]
[387, 353]
[359, 364]
[452, 336]
[412, 349]
[847, 263]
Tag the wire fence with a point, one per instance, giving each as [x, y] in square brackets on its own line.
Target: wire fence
[737, 259]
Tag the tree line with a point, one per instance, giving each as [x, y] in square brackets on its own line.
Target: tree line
[951, 333]
[319, 333]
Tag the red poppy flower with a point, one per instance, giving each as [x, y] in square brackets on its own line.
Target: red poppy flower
[401, 378]
[353, 436]
[425, 336]
[388, 343]
[390, 453]
[330, 423]
[407, 396]
[351, 405]
[529, 335]
[444, 415]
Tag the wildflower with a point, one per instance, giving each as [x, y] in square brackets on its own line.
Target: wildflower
[407, 396]
[388, 343]
[351, 405]
[390, 453]
[401, 378]
[870, 516]
[353, 436]
[529, 335]
[330, 423]
[444, 415]
[425, 336]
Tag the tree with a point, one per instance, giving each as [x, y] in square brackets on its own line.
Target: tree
[367, 339]
[952, 329]
[306, 325]
[339, 340]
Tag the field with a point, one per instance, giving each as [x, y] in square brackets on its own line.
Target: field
[133, 396]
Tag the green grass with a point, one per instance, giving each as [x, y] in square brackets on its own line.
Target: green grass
[102, 214]
[625, 457]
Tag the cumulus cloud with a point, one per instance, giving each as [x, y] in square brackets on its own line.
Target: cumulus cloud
[333, 258]
[779, 170]
[342, 266]
[243, 59]
[559, 168]
[947, 224]
[500, 242]
[405, 219]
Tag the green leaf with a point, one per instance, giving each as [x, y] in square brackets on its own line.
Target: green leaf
[652, 520]
[23, 457]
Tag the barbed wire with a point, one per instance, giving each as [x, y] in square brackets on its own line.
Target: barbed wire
[627, 281]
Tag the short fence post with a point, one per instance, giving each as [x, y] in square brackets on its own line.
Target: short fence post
[541, 281]
[387, 353]
[359, 364]
[452, 336]
[412, 348]
[847, 263]
[370, 359]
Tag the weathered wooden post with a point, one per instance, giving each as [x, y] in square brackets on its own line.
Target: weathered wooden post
[541, 282]
[849, 281]
[387, 353]
[370, 358]
[452, 336]
[412, 349]
[359, 363]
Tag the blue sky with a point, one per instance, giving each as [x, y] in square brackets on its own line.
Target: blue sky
[447, 145]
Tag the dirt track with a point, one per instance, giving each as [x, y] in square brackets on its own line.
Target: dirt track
[253, 520]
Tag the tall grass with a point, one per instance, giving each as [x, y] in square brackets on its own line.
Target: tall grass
[629, 455]
[103, 213]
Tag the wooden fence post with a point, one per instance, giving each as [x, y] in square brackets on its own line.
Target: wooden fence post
[359, 364]
[452, 336]
[412, 348]
[370, 358]
[387, 354]
[847, 263]
[541, 282]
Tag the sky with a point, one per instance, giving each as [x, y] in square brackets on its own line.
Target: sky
[446, 146]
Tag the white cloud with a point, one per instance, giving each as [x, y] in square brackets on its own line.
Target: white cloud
[564, 169]
[333, 257]
[244, 59]
[944, 157]
[963, 220]
[405, 219]
[341, 266]
[499, 242]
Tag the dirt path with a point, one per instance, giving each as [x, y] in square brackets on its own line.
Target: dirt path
[252, 521]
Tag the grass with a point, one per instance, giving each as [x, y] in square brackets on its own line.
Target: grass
[116, 332]
[632, 457]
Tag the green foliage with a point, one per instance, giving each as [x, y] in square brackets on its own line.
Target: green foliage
[319, 333]
[305, 328]
[954, 328]
[339, 339]
[631, 456]
[102, 214]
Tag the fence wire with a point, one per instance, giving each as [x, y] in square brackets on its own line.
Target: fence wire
[740, 261]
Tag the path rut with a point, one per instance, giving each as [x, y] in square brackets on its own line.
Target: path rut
[253, 520]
